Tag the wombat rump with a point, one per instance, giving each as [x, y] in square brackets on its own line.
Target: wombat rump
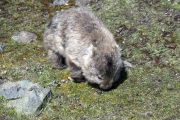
[77, 40]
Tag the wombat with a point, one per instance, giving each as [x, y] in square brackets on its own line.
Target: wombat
[77, 39]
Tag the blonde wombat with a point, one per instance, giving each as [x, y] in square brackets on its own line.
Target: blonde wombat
[77, 39]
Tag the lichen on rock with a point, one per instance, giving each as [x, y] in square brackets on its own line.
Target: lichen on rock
[26, 97]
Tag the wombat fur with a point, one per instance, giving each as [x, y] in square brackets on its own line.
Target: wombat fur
[77, 39]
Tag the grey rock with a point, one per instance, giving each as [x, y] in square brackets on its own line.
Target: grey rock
[60, 2]
[24, 96]
[84, 2]
[54, 83]
[77, 2]
[70, 79]
[98, 92]
[24, 36]
[1, 81]
[2, 48]
[13, 92]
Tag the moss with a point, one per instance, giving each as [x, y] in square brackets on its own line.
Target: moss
[150, 41]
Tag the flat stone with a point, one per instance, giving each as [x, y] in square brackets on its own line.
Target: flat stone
[26, 97]
[60, 2]
[77, 2]
[82, 2]
[24, 36]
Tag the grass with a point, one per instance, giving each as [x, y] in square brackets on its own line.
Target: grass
[150, 41]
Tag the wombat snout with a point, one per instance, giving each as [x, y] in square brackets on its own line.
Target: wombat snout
[105, 87]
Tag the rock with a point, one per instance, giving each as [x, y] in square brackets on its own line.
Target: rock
[24, 96]
[54, 83]
[60, 2]
[98, 92]
[24, 36]
[77, 2]
[70, 79]
[1, 81]
[2, 48]
[84, 2]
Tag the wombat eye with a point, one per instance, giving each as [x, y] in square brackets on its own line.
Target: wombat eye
[99, 77]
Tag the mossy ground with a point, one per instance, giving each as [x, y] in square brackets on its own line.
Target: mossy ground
[149, 34]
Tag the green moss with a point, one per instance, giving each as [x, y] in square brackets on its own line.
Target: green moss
[150, 41]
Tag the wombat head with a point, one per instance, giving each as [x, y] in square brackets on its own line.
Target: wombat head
[104, 66]
[108, 67]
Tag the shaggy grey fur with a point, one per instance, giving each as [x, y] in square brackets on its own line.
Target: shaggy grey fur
[77, 39]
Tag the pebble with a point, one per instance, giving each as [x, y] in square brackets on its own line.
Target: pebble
[98, 92]
[54, 83]
[70, 79]
[24, 36]
[2, 48]
[4, 72]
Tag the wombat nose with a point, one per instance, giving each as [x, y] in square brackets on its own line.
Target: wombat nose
[105, 87]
